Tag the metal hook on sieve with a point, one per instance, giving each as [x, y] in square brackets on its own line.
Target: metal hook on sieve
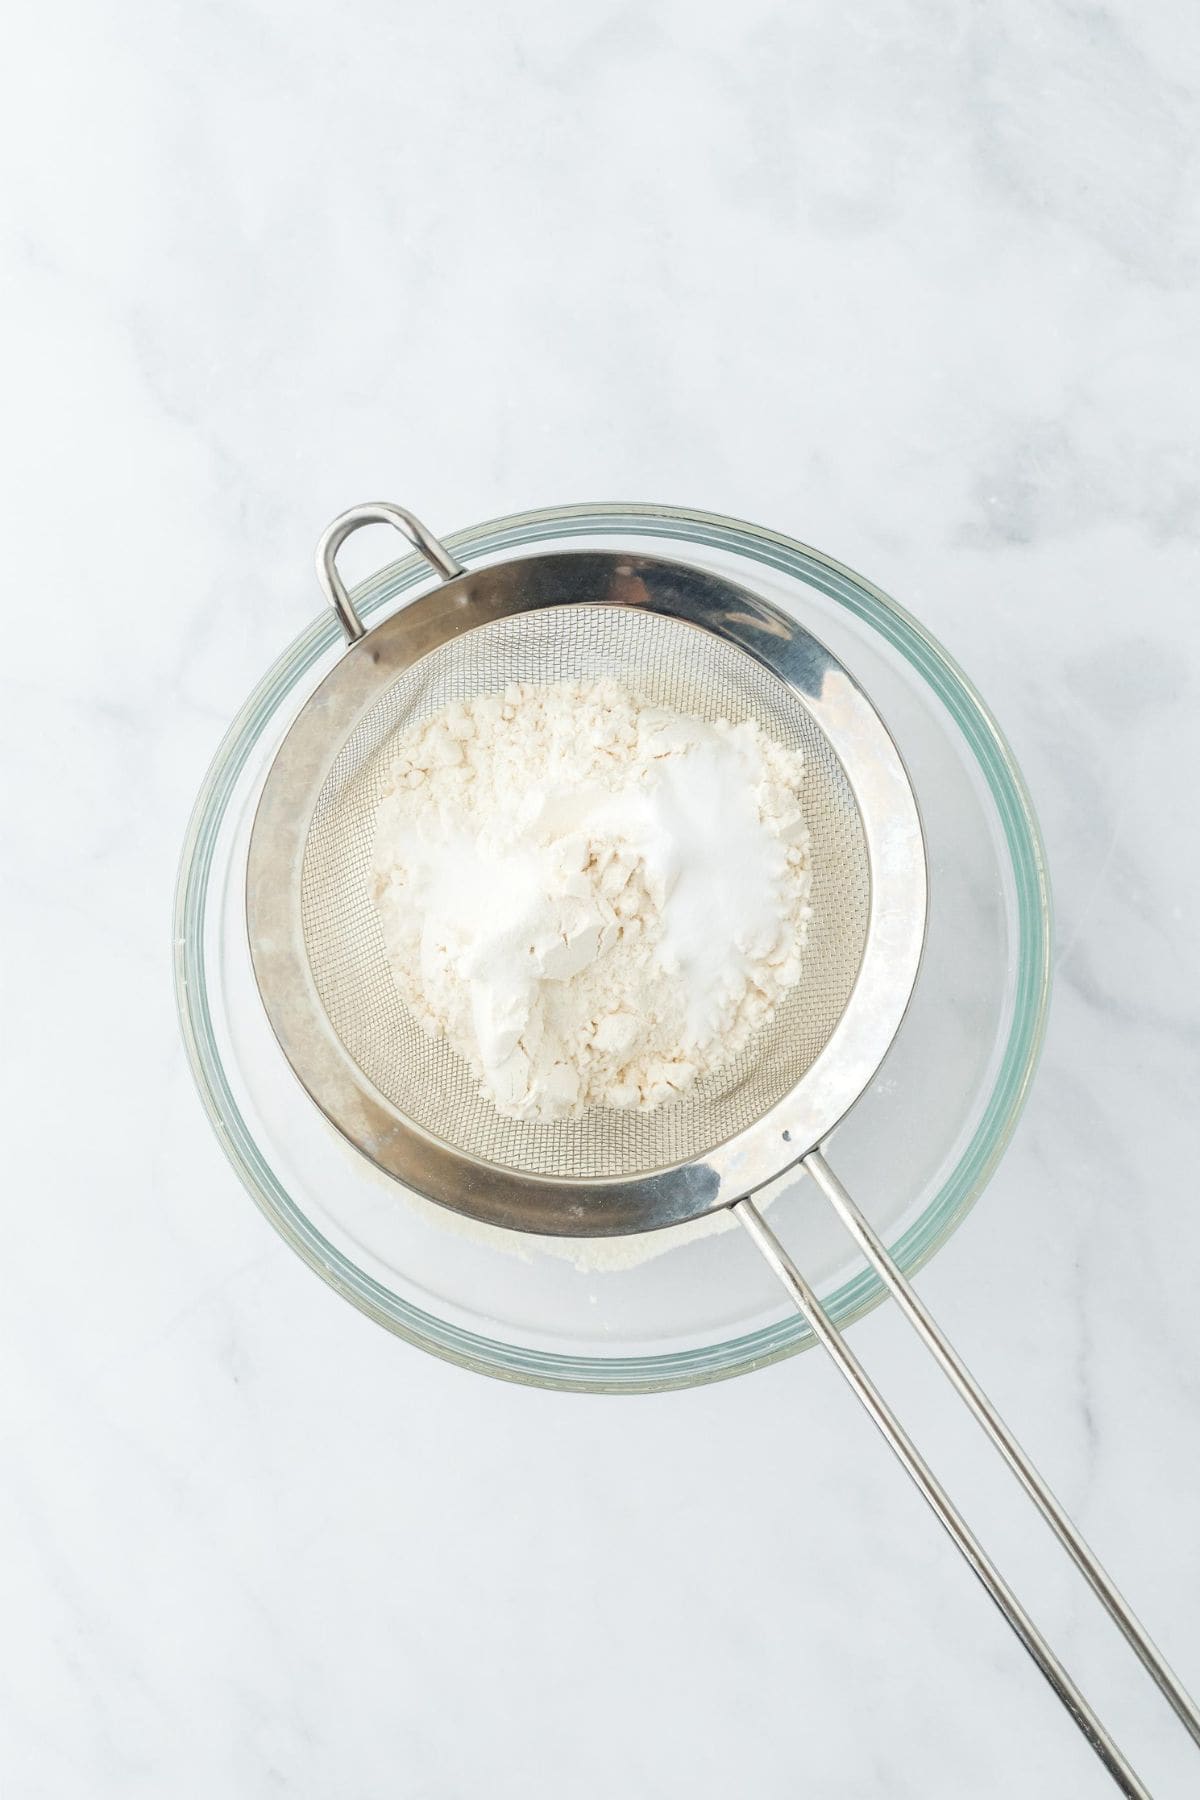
[373, 512]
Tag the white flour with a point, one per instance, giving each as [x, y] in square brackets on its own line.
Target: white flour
[593, 900]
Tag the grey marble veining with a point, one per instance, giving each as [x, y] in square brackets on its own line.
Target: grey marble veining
[916, 283]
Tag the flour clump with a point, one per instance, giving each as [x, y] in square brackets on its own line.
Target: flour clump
[594, 900]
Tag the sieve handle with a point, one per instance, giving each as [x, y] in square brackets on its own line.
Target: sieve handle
[986, 1415]
[373, 512]
[827, 1334]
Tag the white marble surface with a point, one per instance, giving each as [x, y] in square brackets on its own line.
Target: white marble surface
[915, 282]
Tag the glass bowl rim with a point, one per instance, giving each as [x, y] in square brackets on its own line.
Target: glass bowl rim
[979, 1158]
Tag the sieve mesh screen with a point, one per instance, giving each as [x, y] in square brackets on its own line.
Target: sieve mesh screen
[669, 663]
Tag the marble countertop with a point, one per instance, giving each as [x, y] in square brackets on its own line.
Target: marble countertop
[916, 283]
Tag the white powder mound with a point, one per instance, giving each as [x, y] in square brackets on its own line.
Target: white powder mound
[595, 901]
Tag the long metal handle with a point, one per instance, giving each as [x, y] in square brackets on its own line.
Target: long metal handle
[935, 1340]
[374, 512]
[864, 1388]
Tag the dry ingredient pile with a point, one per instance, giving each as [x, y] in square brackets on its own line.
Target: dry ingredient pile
[593, 900]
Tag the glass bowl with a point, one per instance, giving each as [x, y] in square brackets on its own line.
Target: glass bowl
[690, 1304]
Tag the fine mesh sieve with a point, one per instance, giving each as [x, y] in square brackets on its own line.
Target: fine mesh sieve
[679, 637]
[688, 640]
